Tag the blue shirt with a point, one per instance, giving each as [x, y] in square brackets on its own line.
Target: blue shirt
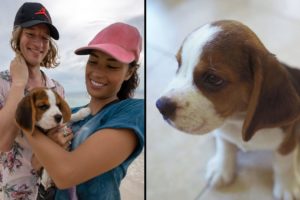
[129, 114]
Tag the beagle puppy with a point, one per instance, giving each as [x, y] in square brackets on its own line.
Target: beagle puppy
[45, 109]
[229, 84]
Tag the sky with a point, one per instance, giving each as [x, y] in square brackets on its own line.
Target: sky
[77, 21]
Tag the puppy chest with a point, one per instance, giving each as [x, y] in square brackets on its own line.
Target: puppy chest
[264, 139]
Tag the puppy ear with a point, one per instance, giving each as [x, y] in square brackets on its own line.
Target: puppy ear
[25, 114]
[274, 101]
[65, 109]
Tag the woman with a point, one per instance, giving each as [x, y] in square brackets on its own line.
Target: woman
[34, 47]
[109, 139]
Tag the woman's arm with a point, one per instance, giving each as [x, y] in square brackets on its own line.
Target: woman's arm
[58, 136]
[8, 127]
[100, 153]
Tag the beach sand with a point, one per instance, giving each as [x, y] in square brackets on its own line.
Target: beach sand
[132, 187]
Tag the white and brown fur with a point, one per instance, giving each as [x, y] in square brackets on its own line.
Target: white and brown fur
[45, 109]
[229, 84]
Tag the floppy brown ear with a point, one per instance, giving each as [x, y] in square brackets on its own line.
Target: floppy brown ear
[25, 114]
[274, 101]
[65, 109]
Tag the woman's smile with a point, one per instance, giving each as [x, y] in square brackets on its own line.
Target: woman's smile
[96, 84]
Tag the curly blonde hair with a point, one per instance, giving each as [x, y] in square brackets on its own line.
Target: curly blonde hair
[51, 58]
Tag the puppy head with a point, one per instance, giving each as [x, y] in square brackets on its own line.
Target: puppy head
[223, 70]
[43, 108]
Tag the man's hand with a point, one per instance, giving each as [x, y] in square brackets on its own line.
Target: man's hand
[19, 71]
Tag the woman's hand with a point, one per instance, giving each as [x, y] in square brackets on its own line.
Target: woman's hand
[62, 136]
[19, 71]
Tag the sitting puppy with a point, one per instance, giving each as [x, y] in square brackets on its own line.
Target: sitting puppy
[44, 109]
[229, 83]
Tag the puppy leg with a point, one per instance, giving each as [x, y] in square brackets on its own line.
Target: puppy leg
[46, 181]
[286, 178]
[221, 168]
[80, 114]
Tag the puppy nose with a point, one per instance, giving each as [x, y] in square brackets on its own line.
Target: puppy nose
[166, 107]
[57, 118]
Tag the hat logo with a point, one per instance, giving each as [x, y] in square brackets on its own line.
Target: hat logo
[42, 12]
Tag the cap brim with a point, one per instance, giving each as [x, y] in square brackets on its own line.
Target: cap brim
[53, 31]
[115, 51]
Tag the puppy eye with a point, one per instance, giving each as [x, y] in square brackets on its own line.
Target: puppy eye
[212, 81]
[43, 107]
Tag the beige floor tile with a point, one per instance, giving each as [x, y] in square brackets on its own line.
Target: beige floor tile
[176, 162]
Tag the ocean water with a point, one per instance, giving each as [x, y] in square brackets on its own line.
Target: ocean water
[75, 99]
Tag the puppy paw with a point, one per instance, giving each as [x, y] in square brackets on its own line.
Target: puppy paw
[46, 181]
[286, 191]
[219, 173]
[80, 114]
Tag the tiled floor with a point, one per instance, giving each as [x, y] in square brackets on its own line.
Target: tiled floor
[176, 162]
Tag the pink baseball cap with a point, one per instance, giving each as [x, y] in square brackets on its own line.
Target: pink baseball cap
[119, 40]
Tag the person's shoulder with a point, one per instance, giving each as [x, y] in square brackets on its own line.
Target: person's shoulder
[129, 107]
[50, 82]
[75, 109]
[56, 83]
[132, 102]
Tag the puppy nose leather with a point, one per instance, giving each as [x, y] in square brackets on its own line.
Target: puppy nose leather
[57, 118]
[166, 107]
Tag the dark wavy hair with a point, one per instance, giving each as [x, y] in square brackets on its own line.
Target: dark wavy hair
[128, 87]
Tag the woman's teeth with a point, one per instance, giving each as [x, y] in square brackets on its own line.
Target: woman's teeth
[97, 84]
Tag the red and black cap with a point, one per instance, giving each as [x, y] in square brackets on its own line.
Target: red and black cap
[30, 14]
